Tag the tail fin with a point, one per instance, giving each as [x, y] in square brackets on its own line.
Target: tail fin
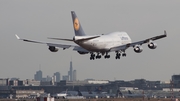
[79, 93]
[77, 26]
[129, 92]
[118, 93]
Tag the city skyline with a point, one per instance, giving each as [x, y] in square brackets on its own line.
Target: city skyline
[71, 75]
[38, 20]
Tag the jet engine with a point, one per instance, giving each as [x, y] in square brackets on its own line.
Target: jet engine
[53, 49]
[80, 52]
[152, 45]
[138, 48]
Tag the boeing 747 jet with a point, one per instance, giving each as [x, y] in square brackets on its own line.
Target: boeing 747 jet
[99, 45]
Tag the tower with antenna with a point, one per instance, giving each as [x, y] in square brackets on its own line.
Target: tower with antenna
[70, 72]
[171, 89]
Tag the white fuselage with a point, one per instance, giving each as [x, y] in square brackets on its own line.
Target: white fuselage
[63, 94]
[105, 42]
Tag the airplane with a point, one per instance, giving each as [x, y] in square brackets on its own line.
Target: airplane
[99, 45]
[68, 95]
[93, 94]
[63, 94]
[79, 95]
[132, 95]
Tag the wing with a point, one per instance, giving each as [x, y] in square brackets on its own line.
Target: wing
[124, 47]
[149, 39]
[64, 46]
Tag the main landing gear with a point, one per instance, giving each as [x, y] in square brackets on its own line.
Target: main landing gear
[92, 57]
[98, 56]
[118, 55]
[124, 54]
[107, 56]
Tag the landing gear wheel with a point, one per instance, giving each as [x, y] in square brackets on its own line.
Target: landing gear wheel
[92, 56]
[118, 55]
[107, 56]
[124, 54]
[98, 56]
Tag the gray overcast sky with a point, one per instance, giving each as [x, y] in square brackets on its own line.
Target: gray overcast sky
[39, 19]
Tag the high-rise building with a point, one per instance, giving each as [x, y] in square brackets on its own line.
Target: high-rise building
[58, 76]
[48, 78]
[70, 72]
[53, 79]
[4, 82]
[74, 75]
[65, 77]
[38, 76]
[176, 80]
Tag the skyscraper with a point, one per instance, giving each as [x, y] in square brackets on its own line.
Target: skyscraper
[58, 76]
[65, 77]
[38, 76]
[70, 72]
[74, 75]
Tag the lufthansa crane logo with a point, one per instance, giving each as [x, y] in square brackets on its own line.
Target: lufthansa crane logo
[76, 24]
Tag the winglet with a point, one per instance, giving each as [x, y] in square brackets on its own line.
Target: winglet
[165, 32]
[17, 37]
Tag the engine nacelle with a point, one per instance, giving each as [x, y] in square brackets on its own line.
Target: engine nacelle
[80, 52]
[53, 49]
[138, 48]
[152, 45]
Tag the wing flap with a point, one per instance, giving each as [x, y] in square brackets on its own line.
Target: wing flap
[78, 48]
[122, 47]
[60, 45]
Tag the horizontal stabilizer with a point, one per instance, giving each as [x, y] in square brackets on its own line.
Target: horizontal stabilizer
[61, 39]
[89, 38]
[81, 39]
